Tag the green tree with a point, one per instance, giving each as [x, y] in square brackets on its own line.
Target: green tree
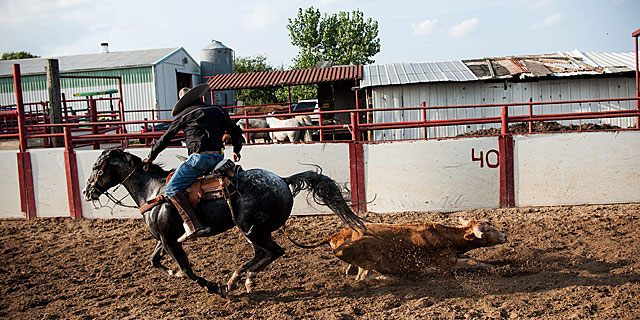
[297, 93]
[343, 38]
[254, 96]
[17, 55]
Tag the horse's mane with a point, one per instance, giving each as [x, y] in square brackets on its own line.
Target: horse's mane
[153, 169]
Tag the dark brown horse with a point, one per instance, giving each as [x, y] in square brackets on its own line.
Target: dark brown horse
[261, 205]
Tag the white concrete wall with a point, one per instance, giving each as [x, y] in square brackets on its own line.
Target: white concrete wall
[577, 168]
[10, 195]
[432, 175]
[50, 182]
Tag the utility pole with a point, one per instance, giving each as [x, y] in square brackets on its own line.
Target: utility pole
[55, 103]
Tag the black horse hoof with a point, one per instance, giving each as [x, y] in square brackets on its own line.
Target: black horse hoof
[221, 290]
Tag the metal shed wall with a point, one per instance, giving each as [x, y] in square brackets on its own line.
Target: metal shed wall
[164, 74]
[476, 92]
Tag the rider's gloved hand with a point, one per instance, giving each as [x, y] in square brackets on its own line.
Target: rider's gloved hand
[145, 163]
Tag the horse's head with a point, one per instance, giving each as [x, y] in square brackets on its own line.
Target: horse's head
[111, 168]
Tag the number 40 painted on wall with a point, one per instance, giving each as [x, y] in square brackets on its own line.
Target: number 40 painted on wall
[484, 158]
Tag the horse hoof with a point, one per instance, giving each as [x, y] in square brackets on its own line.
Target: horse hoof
[220, 290]
[177, 274]
[223, 291]
[231, 284]
[248, 285]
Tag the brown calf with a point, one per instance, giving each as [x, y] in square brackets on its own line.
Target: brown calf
[410, 249]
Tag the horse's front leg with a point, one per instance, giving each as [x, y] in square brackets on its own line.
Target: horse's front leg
[174, 248]
[155, 258]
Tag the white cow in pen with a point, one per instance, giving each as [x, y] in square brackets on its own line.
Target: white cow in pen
[256, 123]
[294, 135]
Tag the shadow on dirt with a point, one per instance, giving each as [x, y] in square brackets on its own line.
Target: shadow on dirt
[544, 271]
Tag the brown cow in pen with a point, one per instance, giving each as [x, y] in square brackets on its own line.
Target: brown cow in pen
[410, 249]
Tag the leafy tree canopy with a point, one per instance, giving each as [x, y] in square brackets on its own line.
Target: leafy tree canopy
[17, 55]
[343, 38]
[254, 96]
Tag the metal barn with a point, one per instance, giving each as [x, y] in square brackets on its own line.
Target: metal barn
[150, 78]
[555, 77]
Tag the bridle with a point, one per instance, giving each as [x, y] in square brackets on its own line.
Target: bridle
[93, 185]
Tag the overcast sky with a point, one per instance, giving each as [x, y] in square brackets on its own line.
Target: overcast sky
[410, 31]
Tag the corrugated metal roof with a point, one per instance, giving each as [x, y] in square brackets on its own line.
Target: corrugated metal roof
[251, 80]
[404, 73]
[559, 64]
[85, 62]
[610, 61]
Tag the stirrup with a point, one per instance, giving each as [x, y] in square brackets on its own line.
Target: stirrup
[188, 235]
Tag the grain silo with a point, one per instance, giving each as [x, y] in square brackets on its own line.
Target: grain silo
[216, 58]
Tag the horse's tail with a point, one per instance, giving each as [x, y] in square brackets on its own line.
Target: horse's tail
[306, 246]
[325, 192]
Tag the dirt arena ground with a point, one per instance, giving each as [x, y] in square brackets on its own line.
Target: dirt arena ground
[574, 262]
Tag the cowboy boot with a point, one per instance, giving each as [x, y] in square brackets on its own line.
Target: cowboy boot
[192, 226]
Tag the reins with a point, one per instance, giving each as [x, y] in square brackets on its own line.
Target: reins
[118, 202]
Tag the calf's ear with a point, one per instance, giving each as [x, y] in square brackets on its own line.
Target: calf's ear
[477, 231]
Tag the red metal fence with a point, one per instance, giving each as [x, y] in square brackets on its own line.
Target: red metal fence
[30, 121]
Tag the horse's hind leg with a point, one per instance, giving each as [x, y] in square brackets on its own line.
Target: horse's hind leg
[265, 251]
[272, 252]
[155, 258]
[258, 254]
[176, 251]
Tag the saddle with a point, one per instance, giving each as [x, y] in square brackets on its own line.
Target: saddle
[214, 185]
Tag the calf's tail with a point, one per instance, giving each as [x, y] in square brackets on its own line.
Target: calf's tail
[325, 191]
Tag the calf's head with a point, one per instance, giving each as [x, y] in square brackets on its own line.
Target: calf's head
[482, 233]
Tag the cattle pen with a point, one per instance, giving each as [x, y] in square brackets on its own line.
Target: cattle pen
[568, 202]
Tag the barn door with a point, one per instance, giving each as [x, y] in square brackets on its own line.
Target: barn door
[183, 80]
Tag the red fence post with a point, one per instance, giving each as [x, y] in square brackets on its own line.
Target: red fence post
[636, 34]
[507, 189]
[530, 115]
[121, 106]
[27, 190]
[505, 146]
[145, 130]
[356, 161]
[424, 119]
[355, 132]
[71, 168]
[504, 117]
[320, 123]
[25, 173]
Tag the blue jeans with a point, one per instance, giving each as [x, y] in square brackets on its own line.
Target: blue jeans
[188, 171]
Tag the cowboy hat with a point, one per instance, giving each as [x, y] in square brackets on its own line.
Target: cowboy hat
[187, 96]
